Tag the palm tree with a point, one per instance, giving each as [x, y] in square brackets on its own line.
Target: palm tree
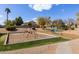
[7, 10]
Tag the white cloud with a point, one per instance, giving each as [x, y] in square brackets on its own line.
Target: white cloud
[34, 18]
[57, 4]
[40, 7]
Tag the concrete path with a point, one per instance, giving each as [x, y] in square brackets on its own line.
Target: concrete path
[69, 47]
[64, 48]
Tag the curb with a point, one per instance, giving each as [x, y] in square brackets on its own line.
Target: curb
[6, 39]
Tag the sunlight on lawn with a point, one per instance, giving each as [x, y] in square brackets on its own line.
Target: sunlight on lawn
[2, 38]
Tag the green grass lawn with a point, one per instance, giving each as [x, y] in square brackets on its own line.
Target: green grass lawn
[31, 44]
[2, 38]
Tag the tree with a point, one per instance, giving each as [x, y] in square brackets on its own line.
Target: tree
[10, 25]
[18, 21]
[58, 23]
[29, 24]
[76, 26]
[41, 21]
[7, 10]
[33, 23]
[77, 15]
[70, 23]
[48, 21]
[77, 21]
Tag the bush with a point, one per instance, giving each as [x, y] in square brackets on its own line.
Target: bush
[76, 26]
[10, 25]
[10, 28]
[72, 28]
[65, 28]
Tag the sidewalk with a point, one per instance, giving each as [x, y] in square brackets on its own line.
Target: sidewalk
[69, 47]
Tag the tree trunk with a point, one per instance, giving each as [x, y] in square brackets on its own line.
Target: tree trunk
[7, 16]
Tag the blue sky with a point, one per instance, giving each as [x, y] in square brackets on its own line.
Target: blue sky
[32, 11]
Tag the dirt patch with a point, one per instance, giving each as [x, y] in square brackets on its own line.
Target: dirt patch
[25, 37]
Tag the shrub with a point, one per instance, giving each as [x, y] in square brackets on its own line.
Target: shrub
[10, 28]
[72, 28]
[10, 25]
[65, 28]
[76, 26]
